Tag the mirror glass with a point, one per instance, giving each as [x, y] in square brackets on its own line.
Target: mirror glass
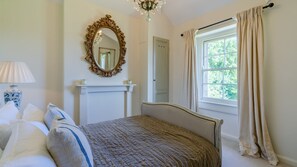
[106, 49]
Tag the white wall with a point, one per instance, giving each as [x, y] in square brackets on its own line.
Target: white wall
[31, 31]
[159, 26]
[139, 37]
[280, 77]
[280, 81]
[78, 15]
[48, 35]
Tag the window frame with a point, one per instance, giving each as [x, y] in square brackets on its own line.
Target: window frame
[221, 105]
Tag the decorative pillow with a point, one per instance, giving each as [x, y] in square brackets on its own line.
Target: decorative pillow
[33, 113]
[69, 146]
[26, 147]
[9, 111]
[41, 126]
[8, 114]
[5, 132]
[55, 113]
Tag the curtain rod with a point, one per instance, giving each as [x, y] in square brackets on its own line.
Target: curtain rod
[264, 7]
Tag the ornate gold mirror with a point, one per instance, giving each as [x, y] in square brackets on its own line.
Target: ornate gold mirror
[105, 46]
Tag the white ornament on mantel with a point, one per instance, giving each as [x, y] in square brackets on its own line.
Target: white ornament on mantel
[84, 90]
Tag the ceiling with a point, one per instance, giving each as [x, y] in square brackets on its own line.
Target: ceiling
[180, 11]
[177, 11]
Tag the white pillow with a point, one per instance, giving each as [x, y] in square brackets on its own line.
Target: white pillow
[31, 159]
[5, 132]
[8, 114]
[41, 126]
[9, 111]
[69, 146]
[33, 113]
[26, 148]
[54, 113]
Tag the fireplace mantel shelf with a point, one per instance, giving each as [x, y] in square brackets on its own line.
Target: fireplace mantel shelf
[106, 88]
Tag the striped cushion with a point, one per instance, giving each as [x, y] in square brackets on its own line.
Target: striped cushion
[54, 113]
[69, 146]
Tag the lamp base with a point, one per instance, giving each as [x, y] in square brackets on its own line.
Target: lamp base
[14, 94]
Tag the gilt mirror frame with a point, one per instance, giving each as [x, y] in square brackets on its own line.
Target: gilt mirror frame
[105, 22]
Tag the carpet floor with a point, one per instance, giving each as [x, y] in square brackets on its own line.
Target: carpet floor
[232, 157]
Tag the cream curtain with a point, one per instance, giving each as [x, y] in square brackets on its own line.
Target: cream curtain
[190, 72]
[254, 137]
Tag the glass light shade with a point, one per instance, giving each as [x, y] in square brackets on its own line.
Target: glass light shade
[148, 7]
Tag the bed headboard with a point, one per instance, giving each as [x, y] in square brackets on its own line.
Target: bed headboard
[207, 127]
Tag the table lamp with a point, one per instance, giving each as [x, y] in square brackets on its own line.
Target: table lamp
[14, 73]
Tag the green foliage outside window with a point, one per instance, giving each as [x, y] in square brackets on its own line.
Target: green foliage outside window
[220, 73]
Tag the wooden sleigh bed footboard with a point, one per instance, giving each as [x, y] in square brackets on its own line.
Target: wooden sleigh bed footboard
[207, 127]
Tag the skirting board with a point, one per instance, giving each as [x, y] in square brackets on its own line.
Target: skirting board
[287, 160]
[283, 159]
[230, 138]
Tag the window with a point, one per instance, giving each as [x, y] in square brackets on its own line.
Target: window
[217, 51]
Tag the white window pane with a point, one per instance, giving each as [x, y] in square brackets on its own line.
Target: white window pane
[230, 92]
[212, 91]
[219, 67]
[214, 62]
[231, 44]
[215, 47]
[212, 77]
[230, 76]
[231, 60]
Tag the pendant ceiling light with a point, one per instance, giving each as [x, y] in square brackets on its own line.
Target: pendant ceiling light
[148, 7]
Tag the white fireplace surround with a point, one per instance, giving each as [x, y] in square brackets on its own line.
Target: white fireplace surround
[85, 91]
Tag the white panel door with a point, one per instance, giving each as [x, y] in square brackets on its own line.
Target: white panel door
[161, 70]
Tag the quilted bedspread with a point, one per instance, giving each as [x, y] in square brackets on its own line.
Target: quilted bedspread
[146, 141]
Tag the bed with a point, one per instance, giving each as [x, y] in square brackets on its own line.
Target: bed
[164, 135]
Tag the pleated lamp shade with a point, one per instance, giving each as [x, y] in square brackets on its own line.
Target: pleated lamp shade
[15, 72]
